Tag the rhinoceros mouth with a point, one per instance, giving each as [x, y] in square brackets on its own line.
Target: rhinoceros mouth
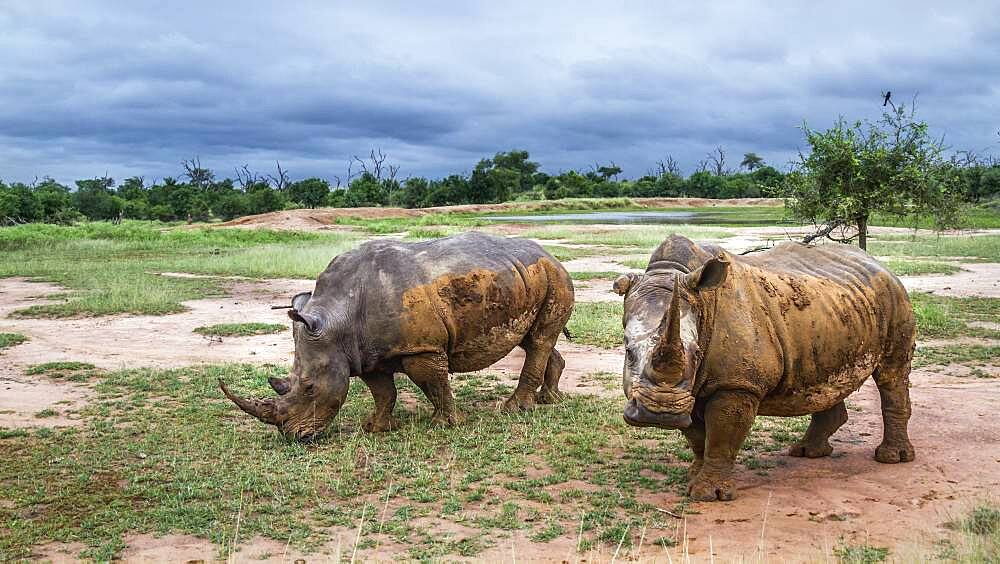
[637, 415]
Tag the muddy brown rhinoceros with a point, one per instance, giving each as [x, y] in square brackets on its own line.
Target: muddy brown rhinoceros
[427, 309]
[713, 339]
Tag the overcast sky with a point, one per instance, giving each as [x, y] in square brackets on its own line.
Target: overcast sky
[125, 88]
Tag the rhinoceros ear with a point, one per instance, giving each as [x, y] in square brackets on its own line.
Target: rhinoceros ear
[300, 300]
[708, 276]
[623, 283]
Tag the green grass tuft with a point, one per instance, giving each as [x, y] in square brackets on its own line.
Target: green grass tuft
[240, 329]
[606, 275]
[60, 366]
[861, 554]
[11, 339]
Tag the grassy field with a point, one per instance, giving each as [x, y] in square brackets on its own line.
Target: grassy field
[598, 324]
[947, 317]
[163, 451]
[972, 248]
[114, 268]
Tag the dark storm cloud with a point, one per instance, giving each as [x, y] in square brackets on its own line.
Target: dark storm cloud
[127, 88]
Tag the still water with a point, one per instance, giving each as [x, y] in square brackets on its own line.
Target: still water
[658, 217]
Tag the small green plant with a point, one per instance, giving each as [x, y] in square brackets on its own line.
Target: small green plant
[240, 329]
[549, 532]
[46, 413]
[983, 520]
[861, 554]
[11, 339]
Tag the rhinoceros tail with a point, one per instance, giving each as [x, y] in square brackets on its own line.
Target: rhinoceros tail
[569, 336]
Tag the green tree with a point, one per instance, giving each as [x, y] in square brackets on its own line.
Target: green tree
[310, 192]
[95, 199]
[751, 161]
[56, 202]
[891, 166]
[490, 185]
[517, 161]
[704, 184]
[19, 204]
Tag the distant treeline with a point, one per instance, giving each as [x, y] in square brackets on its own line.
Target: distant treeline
[198, 195]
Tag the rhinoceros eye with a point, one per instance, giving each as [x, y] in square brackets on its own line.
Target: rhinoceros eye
[629, 357]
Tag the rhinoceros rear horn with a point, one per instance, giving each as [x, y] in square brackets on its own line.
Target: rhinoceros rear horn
[265, 410]
[279, 385]
[668, 357]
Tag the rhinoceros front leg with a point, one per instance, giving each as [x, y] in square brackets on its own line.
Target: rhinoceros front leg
[728, 417]
[430, 373]
[695, 435]
[383, 388]
[816, 442]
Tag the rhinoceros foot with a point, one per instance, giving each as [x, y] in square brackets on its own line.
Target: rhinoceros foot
[518, 403]
[548, 396]
[380, 424]
[894, 452]
[708, 488]
[810, 450]
[449, 419]
[695, 468]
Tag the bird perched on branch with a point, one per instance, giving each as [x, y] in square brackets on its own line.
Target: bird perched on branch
[886, 95]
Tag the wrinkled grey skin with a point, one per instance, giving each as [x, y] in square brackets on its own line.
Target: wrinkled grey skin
[456, 304]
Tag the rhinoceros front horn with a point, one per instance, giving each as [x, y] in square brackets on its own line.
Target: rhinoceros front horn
[265, 410]
[667, 359]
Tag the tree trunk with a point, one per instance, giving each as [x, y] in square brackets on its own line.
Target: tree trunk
[863, 232]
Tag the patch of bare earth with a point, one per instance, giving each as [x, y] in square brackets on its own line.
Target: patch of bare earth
[22, 396]
[975, 279]
[129, 341]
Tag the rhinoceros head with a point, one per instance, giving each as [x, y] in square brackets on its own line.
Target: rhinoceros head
[662, 354]
[318, 384]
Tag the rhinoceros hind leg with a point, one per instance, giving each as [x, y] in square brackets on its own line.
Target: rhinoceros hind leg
[894, 389]
[816, 442]
[430, 373]
[383, 388]
[537, 351]
[550, 386]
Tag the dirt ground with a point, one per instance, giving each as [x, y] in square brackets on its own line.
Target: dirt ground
[799, 510]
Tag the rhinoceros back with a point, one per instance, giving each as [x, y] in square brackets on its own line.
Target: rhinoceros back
[469, 296]
[812, 324]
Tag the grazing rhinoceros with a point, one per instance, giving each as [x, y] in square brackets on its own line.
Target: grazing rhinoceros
[712, 340]
[456, 304]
